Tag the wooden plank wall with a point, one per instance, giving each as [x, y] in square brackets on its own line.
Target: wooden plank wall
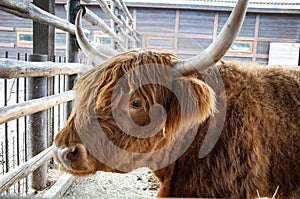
[193, 31]
[183, 31]
[9, 27]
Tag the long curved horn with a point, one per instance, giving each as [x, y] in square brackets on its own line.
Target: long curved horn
[215, 51]
[97, 54]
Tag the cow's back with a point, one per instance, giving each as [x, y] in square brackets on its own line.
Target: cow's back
[259, 146]
[266, 117]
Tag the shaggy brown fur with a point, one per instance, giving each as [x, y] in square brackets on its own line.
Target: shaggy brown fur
[259, 147]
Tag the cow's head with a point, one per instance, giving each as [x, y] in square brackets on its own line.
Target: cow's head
[137, 103]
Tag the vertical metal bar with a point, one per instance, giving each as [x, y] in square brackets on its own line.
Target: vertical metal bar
[18, 129]
[6, 125]
[50, 91]
[37, 125]
[25, 127]
[17, 120]
[17, 124]
[51, 120]
[13, 152]
[6, 130]
[2, 157]
[59, 91]
[25, 158]
[52, 114]
[59, 106]
[72, 48]
[63, 107]
[13, 161]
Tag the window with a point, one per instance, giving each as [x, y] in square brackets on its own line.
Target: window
[24, 37]
[102, 39]
[242, 46]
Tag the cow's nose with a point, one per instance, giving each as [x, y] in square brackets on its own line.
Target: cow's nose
[72, 154]
[66, 155]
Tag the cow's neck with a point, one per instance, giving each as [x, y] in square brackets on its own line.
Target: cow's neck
[167, 176]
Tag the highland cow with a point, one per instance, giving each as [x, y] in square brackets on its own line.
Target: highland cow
[146, 108]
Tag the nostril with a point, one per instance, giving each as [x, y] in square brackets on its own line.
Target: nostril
[72, 155]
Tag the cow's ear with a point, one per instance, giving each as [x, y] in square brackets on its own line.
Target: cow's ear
[193, 102]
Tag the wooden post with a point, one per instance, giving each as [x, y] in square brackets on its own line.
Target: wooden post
[43, 48]
[43, 43]
[72, 49]
[37, 124]
[43, 35]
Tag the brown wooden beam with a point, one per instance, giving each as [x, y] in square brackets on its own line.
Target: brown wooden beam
[216, 24]
[282, 40]
[175, 42]
[255, 43]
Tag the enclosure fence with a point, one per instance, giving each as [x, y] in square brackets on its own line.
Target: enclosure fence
[34, 91]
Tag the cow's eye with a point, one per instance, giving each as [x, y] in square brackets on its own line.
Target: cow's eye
[136, 104]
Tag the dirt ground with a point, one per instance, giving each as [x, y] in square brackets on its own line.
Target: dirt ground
[137, 184]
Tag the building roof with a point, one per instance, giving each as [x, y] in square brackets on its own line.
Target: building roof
[260, 4]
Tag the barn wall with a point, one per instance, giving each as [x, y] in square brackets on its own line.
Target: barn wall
[183, 31]
[194, 30]
[9, 27]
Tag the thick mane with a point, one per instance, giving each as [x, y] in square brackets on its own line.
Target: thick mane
[102, 79]
[124, 75]
[101, 82]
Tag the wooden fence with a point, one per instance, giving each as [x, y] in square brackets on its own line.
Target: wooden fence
[123, 36]
[9, 70]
